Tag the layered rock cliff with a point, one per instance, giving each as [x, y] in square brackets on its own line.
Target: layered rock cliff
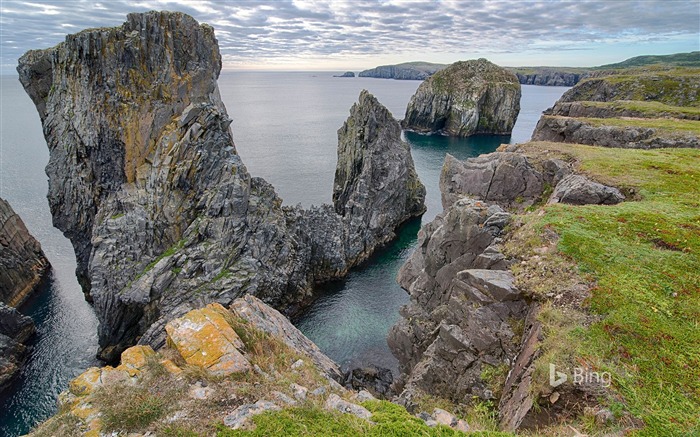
[145, 180]
[22, 262]
[549, 77]
[466, 98]
[405, 71]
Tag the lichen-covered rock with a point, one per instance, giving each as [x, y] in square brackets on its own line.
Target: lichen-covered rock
[22, 262]
[240, 418]
[336, 403]
[145, 180]
[459, 320]
[499, 177]
[205, 339]
[15, 330]
[466, 98]
[579, 190]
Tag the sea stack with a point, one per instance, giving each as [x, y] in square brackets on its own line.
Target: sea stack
[466, 98]
[145, 180]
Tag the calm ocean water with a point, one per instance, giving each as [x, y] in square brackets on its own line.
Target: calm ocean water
[285, 126]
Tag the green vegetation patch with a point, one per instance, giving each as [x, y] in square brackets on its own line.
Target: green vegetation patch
[644, 257]
[649, 108]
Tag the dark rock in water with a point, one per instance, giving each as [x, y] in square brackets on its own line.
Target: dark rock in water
[346, 74]
[377, 380]
[22, 262]
[145, 180]
[466, 98]
[405, 71]
[579, 190]
[498, 177]
[15, 330]
[459, 320]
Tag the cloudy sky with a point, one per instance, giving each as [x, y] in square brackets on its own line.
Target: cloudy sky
[358, 34]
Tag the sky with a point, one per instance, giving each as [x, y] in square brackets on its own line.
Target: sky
[358, 34]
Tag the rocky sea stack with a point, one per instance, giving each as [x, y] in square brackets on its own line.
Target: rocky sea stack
[145, 180]
[466, 98]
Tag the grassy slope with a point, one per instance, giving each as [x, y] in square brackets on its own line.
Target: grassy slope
[648, 108]
[645, 259]
[666, 124]
[691, 59]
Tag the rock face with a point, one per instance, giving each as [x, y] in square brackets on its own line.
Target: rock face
[459, 321]
[376, 186]
[405, 71]
[15, 330]
[497, 177]
[547, 77]
[145, 180]
[22, 262]
[466, 98]
[581, 131]
[579, 190]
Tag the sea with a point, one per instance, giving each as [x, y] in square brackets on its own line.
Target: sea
[285, 129]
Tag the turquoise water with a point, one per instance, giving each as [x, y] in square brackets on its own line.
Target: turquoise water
[285, 126]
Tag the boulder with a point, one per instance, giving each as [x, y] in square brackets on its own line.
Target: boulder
[240, 418]
[205, 339]
[466, 98]
[376, 379]
[579, 190]
[336, 403]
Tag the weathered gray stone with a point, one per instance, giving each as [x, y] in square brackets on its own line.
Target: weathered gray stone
[502, 177]
[299, 391]
[145, 180]
[22, 262]
[240, 417]
[466, 98]
[15, 330]
[579, 190]
[335, 402]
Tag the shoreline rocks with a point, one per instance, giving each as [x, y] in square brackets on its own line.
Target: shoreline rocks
[145, 180]
[15, 330]
[466, 98]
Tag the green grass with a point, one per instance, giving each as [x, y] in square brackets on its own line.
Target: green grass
[390, 420]
[648, 108]
[691, 59]
[129, 408]
[666, 124]
[645, 258]
[676, 87]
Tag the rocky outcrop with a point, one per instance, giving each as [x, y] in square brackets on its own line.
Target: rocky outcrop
[346, 74]
[579, 190]
[376, 186]
[15, 330]
[466, 98]
[405, 71]
[164, 217]
[22, 262]
[463, 307]
[497, 177]
[582, 131]
[546, 77]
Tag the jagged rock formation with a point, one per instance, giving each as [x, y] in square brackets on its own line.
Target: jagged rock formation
[22, 262]
[579, 190]
[463, 305]
[466, 98]
[15, 330]
[145, 180]
[405, 71]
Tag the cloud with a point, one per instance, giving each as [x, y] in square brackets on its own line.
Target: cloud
[272, 32]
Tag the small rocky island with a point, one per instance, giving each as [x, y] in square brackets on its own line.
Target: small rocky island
[23, 266]
[466, 98]
[346, 74]
[407, 71]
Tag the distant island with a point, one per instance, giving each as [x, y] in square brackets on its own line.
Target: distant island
[546, 76]
[346, 74]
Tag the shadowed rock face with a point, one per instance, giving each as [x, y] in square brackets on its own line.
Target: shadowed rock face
[22, 262]
[466, 98]
[145, 180]
[15, 330]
